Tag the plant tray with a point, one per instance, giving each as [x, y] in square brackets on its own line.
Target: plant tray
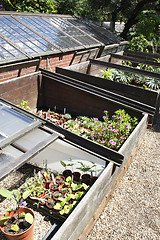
[45, 210]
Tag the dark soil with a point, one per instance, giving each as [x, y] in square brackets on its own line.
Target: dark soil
[23, 225]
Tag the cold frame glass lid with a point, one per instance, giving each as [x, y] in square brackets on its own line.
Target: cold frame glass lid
[12, 121]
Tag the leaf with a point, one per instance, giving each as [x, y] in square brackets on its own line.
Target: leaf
[6, 193]
[58, 206]
[26, 194]
[18, 194]
[14, 227]
[8, 210]
[63, 163]
[22, 215]
[4, 219]
[29, 218]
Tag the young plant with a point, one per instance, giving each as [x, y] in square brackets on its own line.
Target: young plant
[24, 105]
[35, 186]
[67, 165]
[18, 200]
[85, 168]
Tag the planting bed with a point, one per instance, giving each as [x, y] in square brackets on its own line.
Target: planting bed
[57, 195]
[43, 139]
[111, 132]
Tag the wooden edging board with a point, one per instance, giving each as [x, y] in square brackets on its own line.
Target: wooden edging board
[81, 220]
[107, 198]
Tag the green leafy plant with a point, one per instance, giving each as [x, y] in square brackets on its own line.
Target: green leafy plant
[67, 165]
[24, 105]
[18, 200]
[134, 79]
[145, 35]
[85, 168]
[35, 186]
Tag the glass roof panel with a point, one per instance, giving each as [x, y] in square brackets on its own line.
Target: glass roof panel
[12, 121]
[95, 31]
[67, 39]
[51, 34]
[20, 34]
[7, 51]
[14, 36]
[75, 32]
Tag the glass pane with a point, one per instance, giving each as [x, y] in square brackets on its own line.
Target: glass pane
[47, 31]
[10, 31]
[75, 32]
[32, 138]
[7, 155]
[98, 32]
[12, 121]
[7, 51]
[1, 137]
[38, 45]
[14, 36]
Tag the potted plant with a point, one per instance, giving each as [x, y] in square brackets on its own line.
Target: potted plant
[85, 178]
[59, 179]
[51, 203]
[57, 195]
[63, 189]
[67, 172]
[35, 186]
[76, 176]
[17, 223]
[48, 176]
[53, 186]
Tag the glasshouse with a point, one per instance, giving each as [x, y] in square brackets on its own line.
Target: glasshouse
[74, 106]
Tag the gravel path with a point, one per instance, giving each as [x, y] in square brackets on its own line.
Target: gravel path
[133, 212]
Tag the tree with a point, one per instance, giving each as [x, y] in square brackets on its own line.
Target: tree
[43, 6]
[128, 10]
[134, 16]
[146, 34]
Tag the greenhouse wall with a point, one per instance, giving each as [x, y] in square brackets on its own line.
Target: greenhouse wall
[22, 88]
[49, 63]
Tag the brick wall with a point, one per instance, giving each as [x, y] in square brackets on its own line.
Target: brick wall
[49, 63]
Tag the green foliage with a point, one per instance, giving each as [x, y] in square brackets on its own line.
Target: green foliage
[67, 165]
[34, 186]
[15, 227]
[29, 218]
[24, 105]
[146, 32]
[42, 6]
[66, 6]
[138, 43]
[134, 79]
[4, 219]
